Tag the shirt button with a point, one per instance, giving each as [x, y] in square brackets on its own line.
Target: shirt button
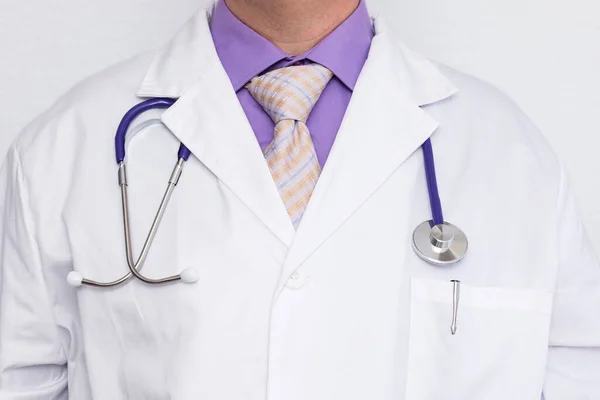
[298, 280]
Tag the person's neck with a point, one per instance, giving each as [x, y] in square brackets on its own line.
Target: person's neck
[295, 26]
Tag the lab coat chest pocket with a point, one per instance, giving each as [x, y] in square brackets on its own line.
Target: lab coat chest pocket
[498, 351]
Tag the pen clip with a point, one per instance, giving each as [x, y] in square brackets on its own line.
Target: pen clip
[455, 300]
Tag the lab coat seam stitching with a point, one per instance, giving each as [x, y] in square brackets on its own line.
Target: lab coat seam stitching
[561, 195]
[29, 225]
[561, 202]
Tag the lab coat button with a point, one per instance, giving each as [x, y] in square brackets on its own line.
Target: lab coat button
[298, 281]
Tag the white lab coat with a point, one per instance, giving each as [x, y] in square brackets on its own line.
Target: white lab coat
[340, 309]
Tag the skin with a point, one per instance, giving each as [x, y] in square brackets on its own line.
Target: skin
[295, 26]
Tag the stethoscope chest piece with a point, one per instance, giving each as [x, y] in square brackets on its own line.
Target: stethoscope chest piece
[441, 245]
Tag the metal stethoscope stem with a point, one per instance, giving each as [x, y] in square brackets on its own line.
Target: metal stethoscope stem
[187, 276]
[135, 269]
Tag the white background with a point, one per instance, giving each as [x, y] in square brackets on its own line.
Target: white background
[544, 53]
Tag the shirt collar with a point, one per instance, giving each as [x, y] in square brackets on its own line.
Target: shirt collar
[245, 54]
[345, 50]
[190, 57]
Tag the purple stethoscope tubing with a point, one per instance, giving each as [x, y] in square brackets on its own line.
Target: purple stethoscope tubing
[432, 186]
[131, 115]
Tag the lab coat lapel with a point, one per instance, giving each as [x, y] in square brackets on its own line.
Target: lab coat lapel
[384, 126]
[210, 121]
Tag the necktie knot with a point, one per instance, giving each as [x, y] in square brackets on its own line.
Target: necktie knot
[290, 93]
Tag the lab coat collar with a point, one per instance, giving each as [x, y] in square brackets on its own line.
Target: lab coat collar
[191, 53]
[209, 120]
[182, 61]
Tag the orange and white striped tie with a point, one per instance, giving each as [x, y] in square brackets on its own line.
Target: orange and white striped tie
[288, 95]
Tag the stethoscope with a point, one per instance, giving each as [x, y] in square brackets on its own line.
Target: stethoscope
[187, 275]
[436, 241]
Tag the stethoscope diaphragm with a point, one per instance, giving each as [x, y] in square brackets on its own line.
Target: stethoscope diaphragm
[440, 245]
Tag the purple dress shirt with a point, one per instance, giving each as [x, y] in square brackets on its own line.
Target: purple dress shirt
[245, 54]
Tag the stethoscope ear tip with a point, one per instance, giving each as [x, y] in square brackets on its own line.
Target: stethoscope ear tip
[75, 279]
[189, 275]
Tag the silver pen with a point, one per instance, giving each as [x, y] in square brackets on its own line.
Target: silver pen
[455, 300]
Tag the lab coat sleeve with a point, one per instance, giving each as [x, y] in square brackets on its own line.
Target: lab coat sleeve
[573, 366]
[32, 360]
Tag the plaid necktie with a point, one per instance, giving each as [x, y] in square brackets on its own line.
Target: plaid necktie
[288, 95]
